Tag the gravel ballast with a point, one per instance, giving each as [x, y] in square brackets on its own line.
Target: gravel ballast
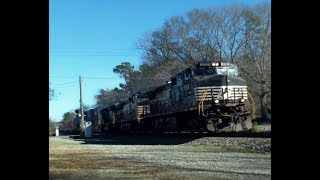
[132, 156]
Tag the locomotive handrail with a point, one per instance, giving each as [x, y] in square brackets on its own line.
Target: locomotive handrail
[253, 105]
[202, 99]
[138, 116]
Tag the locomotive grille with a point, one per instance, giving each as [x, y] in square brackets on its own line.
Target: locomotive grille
[222, 92]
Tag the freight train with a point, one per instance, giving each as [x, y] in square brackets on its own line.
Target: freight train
[206, 97]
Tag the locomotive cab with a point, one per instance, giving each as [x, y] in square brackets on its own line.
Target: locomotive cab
[219, 82]
[221, 96]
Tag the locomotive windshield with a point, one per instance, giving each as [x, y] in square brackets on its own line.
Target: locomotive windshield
[231, 70]
[204, 71]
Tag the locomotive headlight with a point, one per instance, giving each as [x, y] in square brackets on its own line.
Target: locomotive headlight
[216, 101]
[242, 100]
[215, 64]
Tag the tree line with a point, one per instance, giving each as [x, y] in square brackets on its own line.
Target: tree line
[238, 34]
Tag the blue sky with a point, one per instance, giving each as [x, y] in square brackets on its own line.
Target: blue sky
[90, 37]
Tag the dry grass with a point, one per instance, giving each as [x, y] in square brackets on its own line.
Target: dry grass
[67, 161]
[71, 160]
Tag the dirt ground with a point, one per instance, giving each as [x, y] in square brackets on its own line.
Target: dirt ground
[71, 158]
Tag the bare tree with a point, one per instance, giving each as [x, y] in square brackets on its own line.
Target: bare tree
[255, 63]
[241, 34]
[238, 34]
[51, 93]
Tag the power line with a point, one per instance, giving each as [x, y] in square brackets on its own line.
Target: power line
[73, 77]
[117, 78]
[91, 55]
[65, 83]
[86, 52]
[100, 77]
[88, 77]
[92, 50]
[64, 77]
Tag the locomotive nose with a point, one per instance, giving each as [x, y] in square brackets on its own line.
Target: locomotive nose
[235, 81]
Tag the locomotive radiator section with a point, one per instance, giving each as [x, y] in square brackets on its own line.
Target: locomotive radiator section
[223, 108]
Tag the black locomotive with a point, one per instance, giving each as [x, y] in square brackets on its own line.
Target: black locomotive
[208, 96]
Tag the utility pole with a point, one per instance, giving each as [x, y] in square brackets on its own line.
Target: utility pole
[81, 108]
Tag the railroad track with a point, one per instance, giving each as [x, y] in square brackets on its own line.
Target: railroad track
[266, 134]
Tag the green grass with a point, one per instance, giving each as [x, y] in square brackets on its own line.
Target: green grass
[255, 128]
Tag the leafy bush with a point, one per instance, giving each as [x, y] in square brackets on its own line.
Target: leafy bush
[255, 128]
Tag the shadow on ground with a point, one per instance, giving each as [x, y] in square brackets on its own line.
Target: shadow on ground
[158, 139]
[137, 139]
